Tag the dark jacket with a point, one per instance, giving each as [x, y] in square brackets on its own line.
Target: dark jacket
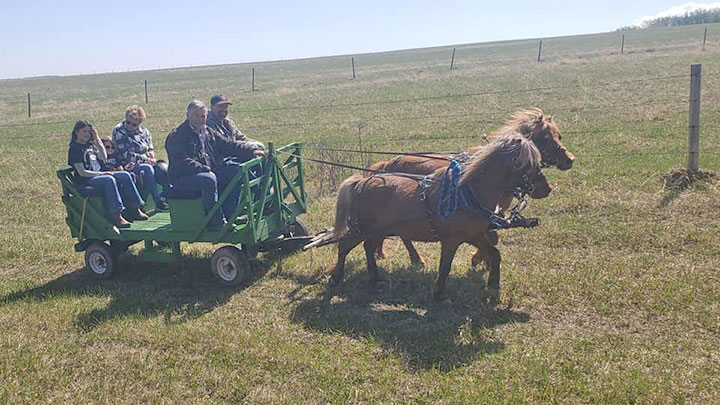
[186, 155]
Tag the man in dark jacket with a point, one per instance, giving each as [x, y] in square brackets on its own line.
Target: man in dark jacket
[197, 161]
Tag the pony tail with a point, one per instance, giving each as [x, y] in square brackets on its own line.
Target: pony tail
[345, 197]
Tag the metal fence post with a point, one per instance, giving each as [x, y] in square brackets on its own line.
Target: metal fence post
[29, 113]
[452, 61]
[694, 120]
[352, 61]
[539, 50]
[146, 96]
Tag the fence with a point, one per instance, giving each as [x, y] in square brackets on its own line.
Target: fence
[452, 63]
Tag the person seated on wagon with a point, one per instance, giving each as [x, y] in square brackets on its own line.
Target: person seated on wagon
[136, 152]
[198, 156]
[85, 154]
[219, 121]
[111, 163]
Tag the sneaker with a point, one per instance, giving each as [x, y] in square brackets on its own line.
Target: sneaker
[117, 219]
[161, 205]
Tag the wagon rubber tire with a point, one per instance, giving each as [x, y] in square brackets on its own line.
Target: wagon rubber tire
[100, 260]
[230, 266]
[296, 229]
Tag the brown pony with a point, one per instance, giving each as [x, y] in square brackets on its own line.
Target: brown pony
[533, 124]
[543, 132]
[370, 209]
[427, 164]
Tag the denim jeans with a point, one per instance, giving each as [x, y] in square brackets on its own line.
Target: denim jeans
[206, 183]
[225, 174]
[148, 177]
[116, 188]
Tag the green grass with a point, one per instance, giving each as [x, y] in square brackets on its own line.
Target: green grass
[613, 299]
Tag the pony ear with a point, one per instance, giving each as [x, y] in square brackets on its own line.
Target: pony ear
[526, 129]
[539, 118]
[549, 118]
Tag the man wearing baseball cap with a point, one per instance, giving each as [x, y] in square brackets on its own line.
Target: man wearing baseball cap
[218, 120]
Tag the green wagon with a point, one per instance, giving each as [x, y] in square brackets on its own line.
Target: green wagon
[266, 218]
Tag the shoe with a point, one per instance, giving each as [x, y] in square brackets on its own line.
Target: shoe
[162, 205]
[138, 214]
[117, 219]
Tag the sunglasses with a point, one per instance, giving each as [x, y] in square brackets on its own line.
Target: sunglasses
[132, 124]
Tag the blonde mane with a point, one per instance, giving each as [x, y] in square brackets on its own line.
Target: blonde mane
[511, 150]
[521, 121]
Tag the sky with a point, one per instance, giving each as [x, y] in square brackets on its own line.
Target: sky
[50, 37]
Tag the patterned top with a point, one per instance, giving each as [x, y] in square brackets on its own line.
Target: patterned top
[88, 155]
[132, 146]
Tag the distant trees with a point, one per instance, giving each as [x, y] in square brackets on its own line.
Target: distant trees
[693, 17]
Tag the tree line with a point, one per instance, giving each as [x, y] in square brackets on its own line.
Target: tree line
[694, 17]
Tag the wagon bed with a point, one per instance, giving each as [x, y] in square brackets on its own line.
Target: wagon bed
[266, 217]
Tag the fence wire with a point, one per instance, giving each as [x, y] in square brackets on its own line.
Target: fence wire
[105, 119]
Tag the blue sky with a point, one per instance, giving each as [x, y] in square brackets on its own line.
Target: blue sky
[72, 37]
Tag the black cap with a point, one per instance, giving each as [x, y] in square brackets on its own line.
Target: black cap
[219, 99]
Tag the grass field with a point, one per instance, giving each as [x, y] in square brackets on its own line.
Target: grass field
[614, 299]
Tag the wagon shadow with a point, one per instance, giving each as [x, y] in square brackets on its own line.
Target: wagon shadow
[143, 291]
[402, 318]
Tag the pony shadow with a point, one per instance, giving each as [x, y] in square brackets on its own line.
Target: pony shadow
[401, 316]
[143, 291]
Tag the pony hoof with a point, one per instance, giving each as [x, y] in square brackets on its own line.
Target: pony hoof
[334, 282]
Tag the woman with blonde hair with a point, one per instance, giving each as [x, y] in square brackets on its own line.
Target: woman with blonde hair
[136, 152]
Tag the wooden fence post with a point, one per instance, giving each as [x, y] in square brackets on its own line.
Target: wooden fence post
[146, 96]
[29, 114]
[539, 50]
[253, 79]
[622, 45]
[452, 61]
[704, 38]
[352, 61]
[694, 121]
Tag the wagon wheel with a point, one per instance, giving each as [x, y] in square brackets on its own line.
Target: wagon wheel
[297, 229]
[100, 260]
[230, 265]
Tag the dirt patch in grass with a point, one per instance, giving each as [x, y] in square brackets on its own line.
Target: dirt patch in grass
[682, 179]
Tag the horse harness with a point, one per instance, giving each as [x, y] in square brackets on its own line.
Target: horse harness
[462, 194]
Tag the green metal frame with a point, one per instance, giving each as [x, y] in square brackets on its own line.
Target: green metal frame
[281, 188]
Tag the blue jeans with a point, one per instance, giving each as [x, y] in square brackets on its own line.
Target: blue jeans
[225, 174]
[206, 184]
[116, 188]
[148, 177]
